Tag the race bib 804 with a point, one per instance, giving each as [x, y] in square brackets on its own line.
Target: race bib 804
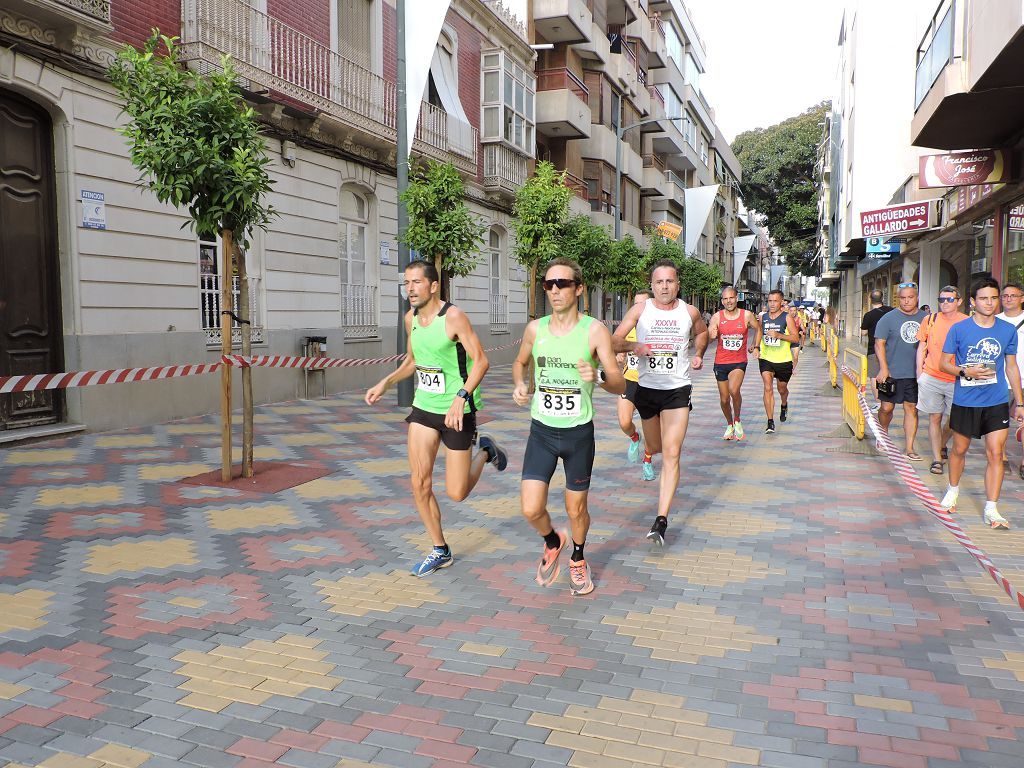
[430, 379]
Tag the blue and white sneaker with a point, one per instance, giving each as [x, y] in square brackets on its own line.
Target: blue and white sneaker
[634, 452]
[647, 470]
[495, 455]
[435, 560]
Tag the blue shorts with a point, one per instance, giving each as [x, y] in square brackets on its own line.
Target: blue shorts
[574, 446]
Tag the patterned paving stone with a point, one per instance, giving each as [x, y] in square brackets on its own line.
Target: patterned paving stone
[804, 611]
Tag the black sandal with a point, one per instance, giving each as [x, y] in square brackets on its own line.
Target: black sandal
[936, 468]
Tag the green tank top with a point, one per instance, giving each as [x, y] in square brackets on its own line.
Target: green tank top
[775, 350]
[562, 399]
[442, 366]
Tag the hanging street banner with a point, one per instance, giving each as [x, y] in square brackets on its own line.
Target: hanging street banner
[898, 219]
[965, 169]
[668, 230]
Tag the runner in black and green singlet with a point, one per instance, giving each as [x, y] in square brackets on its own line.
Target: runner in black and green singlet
[449, 363]
[564, 349]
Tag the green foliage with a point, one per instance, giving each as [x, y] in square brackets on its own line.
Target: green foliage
[589, 245]
[661, 249]
[778, 181]
[194, 139]
[627, 270]
[541, 206]
[440, 223]
[700, 280]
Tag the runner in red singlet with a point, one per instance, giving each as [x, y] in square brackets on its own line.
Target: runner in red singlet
[731, 326]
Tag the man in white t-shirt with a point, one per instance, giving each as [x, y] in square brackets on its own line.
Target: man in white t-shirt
[1013, 313]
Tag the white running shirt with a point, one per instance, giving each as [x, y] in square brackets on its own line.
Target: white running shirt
[668, 334]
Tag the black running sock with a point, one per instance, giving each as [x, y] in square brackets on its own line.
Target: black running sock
[552, 540]
[577, 551]
[443, 548]
[661, 521]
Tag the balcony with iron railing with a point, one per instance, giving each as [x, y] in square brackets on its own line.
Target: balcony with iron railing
[359, 311]
[577, 185]
[504, 169]
[269, 55]
[499, 313]
[209, 306]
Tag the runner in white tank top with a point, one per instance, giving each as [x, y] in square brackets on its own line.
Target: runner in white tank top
[664, 326]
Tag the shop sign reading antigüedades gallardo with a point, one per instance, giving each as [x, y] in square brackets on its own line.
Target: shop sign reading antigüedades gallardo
[898, 219]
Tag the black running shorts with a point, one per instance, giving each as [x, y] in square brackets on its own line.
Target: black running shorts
[574, 446]
[782, 371]
[722, 370]
[453, 440]
[651, 402]
[630, 393]
[978, 422]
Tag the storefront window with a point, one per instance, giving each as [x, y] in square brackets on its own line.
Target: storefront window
[1014, 259]
[981, 258]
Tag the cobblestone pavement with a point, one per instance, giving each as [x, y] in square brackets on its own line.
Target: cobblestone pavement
[804, 613]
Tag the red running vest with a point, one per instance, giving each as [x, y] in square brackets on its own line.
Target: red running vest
[732, 339]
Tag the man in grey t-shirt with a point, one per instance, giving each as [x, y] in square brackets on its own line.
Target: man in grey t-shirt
[896, 349]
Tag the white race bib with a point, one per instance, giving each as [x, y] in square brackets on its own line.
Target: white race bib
[632, 362]
[558, 401]
[430, 379]
[770, 342]
[663, 363]
[732, 343]
[979, 382]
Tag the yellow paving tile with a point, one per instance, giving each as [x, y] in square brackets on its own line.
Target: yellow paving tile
[1014, 662]
[78, 495]
[204, 702]
[385, 467]
[130, 556]
[187, 602]
[870, 610]
[121, 756]
[308, 548]
[242, 518]
[355, 426]
[687, 632]
[735, 755]
[588, 760]
[737, 524]
[574, 741]
[24, 610]
[10, 690]
[126, 441]
[358, 595]
[333, 488]
[499, 507]
[309, 438]
[65, 760]
[193, 429]
[42, 456]
[157, 472]
[556, 723]
[483, 649]
[882, 702]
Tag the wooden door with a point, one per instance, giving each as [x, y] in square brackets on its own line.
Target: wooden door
[30, 326]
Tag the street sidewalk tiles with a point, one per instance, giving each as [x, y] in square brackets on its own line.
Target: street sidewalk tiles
[804, 612]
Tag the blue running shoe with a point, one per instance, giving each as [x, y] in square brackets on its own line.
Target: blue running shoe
[495, 455]
[435, 560]
[633, 454]
[647, 470]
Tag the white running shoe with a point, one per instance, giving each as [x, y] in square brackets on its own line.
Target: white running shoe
[949, 500]
[993, 519]
[730, 433]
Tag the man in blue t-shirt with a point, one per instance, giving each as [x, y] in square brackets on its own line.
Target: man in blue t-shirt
[896, 348]
[981, 352]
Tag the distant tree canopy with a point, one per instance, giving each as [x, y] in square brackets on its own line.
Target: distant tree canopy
[778, 182]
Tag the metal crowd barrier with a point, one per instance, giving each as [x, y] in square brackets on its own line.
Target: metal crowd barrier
[855, 379]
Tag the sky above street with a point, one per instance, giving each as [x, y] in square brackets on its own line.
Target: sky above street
[766, 61]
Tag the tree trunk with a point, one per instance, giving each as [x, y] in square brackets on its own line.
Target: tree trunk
[226, 272]
[444, 279]
[246, 329]
[531, 296]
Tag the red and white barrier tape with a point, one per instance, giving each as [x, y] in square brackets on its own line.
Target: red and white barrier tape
[36, 382]
[910, 478]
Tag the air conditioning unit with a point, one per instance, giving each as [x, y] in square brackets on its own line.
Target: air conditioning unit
[980, 266]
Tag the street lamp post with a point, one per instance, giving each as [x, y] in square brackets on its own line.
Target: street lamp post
[405, 389]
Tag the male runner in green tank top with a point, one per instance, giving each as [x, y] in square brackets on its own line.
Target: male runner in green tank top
[564, 348]
[449, 363]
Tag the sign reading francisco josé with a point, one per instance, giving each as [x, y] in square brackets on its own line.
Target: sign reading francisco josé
[897, 219]
[964, 169]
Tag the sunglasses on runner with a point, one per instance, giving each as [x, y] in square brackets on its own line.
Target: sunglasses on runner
[946, 299]
[907, 285]
[559, 282]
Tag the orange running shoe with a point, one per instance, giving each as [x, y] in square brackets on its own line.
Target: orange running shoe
[547, 569]
[579, 577]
